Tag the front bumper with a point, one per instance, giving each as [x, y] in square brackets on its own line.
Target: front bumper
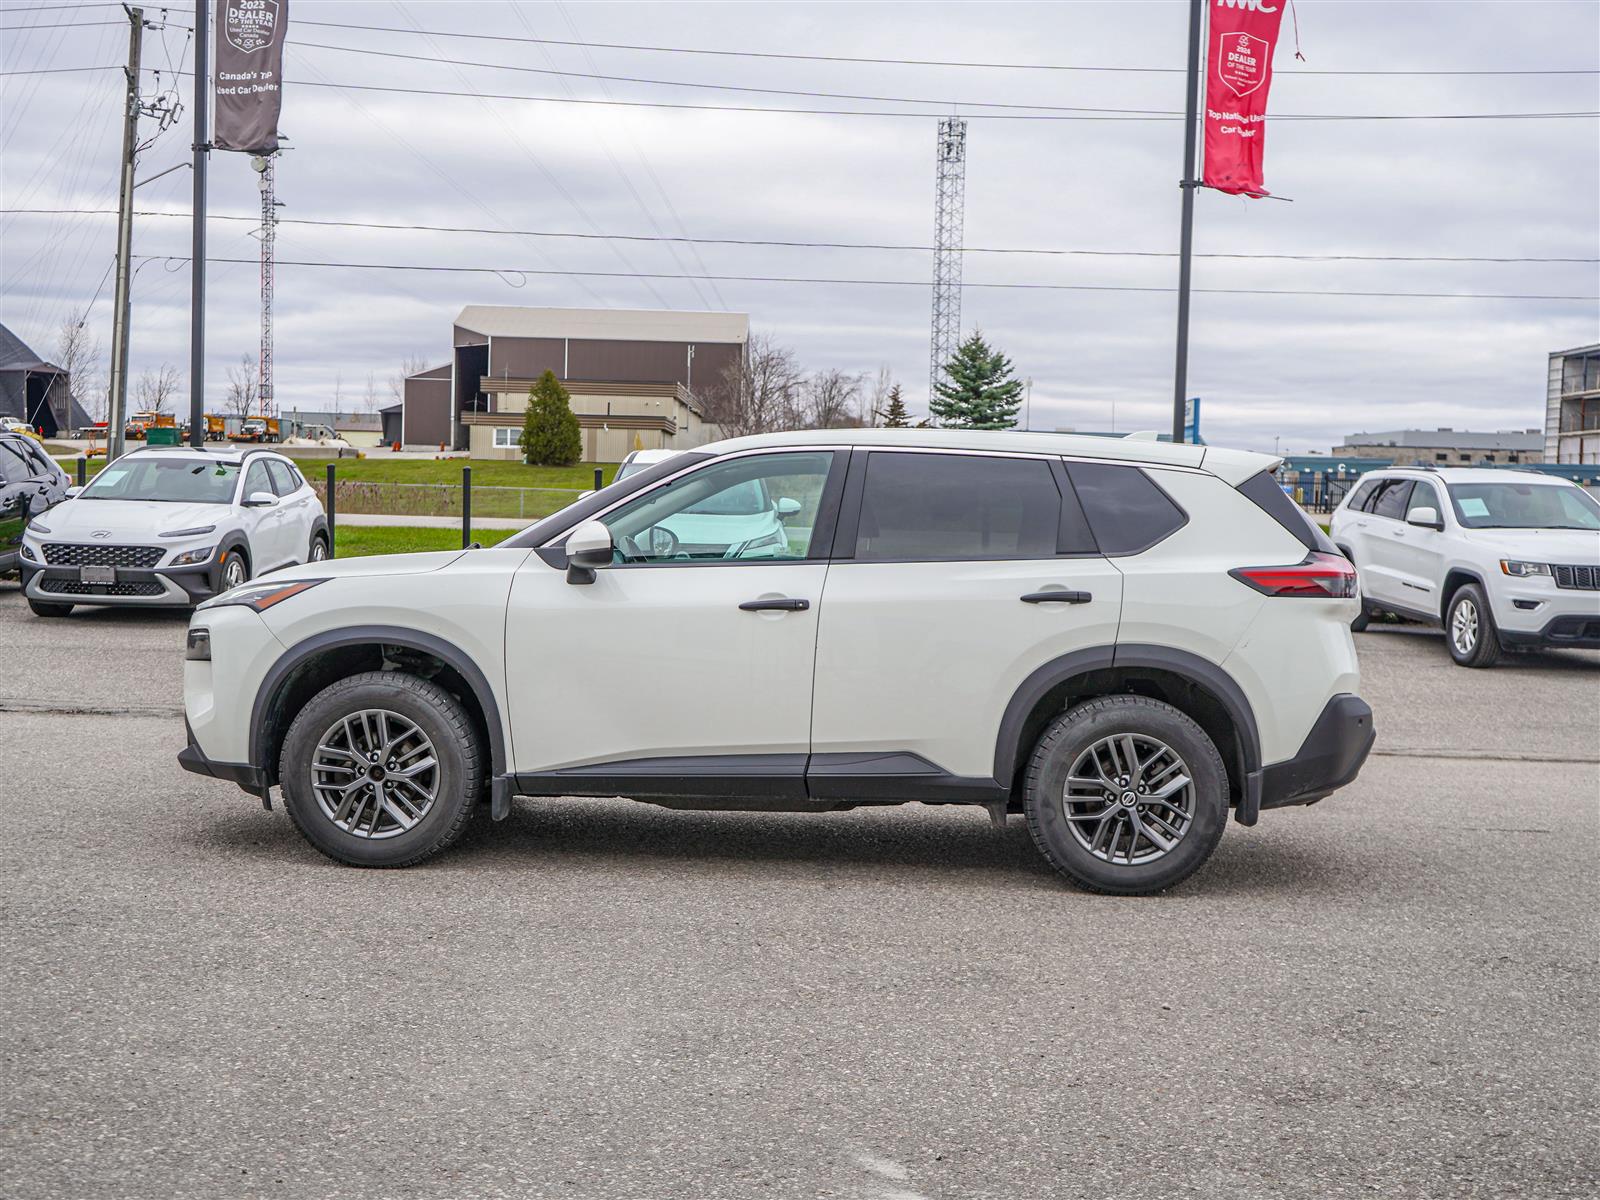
[1330, 757]
[250, 779]
[156, 587]
[1575, 630]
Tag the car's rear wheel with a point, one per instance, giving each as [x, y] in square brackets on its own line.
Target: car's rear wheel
[319, 548]
[1125, 794]
[381, 769]
[42, 608]
[1469, 628]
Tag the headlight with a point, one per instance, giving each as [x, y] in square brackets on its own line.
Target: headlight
[261, 596]
[1523, 569]
[27, 552]
[195, 532]
[34, 527]
[190, 557]
[772, 539]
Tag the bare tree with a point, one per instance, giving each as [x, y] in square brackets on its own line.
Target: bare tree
[411, 364]
[876, 398]
[157, 388]
[369, 398]
[338, 393]
[829, 400]
[244, 387]
[78, 353]
[759, 394]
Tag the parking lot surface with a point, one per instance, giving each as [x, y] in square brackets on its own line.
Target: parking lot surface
[1391, 993]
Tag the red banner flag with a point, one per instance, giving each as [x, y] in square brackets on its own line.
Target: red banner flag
[1243, 35]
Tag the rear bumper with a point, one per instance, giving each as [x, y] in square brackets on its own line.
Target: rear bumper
[1330, 757]
[1575, 630]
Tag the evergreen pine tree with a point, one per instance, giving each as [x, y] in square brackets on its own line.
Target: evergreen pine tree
[894, 413]
[550, 436]
[978, 391]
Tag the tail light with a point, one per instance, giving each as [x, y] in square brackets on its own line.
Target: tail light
[1325, 576]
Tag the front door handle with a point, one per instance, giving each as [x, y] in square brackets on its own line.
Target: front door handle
[1059, 597]
[780, 605]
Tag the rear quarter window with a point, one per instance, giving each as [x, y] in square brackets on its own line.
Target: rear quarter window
[1126, 509]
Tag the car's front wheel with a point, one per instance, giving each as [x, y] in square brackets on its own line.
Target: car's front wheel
[234, 570]
[381, 769]
[1469, 628]
[1125, 794]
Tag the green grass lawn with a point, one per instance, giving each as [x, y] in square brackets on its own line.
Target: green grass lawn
[356, 540]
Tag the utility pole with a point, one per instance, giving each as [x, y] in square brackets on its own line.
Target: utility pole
[117, 414]
[949, 219]
[197, 252]
[1180, 374]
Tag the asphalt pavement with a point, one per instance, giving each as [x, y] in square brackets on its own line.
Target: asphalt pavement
[1392, 993]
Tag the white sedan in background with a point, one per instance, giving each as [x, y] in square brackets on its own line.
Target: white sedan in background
[171, 527]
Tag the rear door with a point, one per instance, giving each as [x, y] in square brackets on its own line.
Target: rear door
[1384, 544]
[1419, 551]
[955, 576]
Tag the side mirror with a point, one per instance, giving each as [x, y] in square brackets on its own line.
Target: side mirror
[260, 500]
[588, 547]
[787, 508]
[1427, 518]
[73, 491]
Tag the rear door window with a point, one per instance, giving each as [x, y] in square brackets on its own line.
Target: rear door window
[14, 467]
[1391, 500]
[935, 507]
[1363, 495]
[1126, 509]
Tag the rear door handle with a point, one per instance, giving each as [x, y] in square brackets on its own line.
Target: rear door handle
[780, 605]
[1057, 598]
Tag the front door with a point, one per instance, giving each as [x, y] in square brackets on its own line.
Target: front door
[697, 644]
[966, 573]
[1383, 555]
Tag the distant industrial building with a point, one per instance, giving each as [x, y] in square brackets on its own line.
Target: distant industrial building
[637, 378]
[1572, 410]
[36, 392]
[1441, 447]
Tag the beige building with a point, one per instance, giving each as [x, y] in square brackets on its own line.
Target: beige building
[1441, 447]
[1572, 411]
[636, 378]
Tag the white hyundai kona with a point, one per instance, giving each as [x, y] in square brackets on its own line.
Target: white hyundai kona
[171, 527]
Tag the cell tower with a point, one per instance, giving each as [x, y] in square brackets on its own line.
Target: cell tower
[949, 210]
[264, 164]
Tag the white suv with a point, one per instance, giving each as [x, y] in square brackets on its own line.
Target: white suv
[1502, 559]
[171, 527]
[1120, 639]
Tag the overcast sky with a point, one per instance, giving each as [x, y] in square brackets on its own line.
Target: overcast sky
[1303, 369]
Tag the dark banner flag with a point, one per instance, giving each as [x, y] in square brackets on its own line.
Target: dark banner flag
[249, 74]
[1244, 34]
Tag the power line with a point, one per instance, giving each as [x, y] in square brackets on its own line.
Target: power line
[940, 102]
[65, 70]
[918, 283]
[400, 227]
[921, 116]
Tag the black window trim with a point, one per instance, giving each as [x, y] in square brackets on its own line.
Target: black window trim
[1383, 490]
[846, 536]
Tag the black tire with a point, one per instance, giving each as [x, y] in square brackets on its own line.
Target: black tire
[455, 747]
[1073, 733]
[43, 609]
[319, 548]
[232, 561]
[1477, 643]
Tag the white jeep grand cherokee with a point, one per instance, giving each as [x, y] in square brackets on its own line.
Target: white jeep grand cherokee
[1502, 559]
[1121, 639]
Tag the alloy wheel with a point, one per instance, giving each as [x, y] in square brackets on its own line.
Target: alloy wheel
[319, 550]
[1129, 799]
[232, 573]
[375, 774]
[1464, 627]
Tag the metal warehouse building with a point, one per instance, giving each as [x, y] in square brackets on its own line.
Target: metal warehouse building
[36, 392]
[637, 377]
[1572, 411]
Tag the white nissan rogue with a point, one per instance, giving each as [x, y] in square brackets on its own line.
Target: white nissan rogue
[1120, 639]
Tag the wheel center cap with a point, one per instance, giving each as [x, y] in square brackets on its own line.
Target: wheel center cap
[1129, 799]
[375, 772]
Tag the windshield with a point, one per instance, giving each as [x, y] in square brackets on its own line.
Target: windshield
[166, 480]
[1524, 506]
[747, 499]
